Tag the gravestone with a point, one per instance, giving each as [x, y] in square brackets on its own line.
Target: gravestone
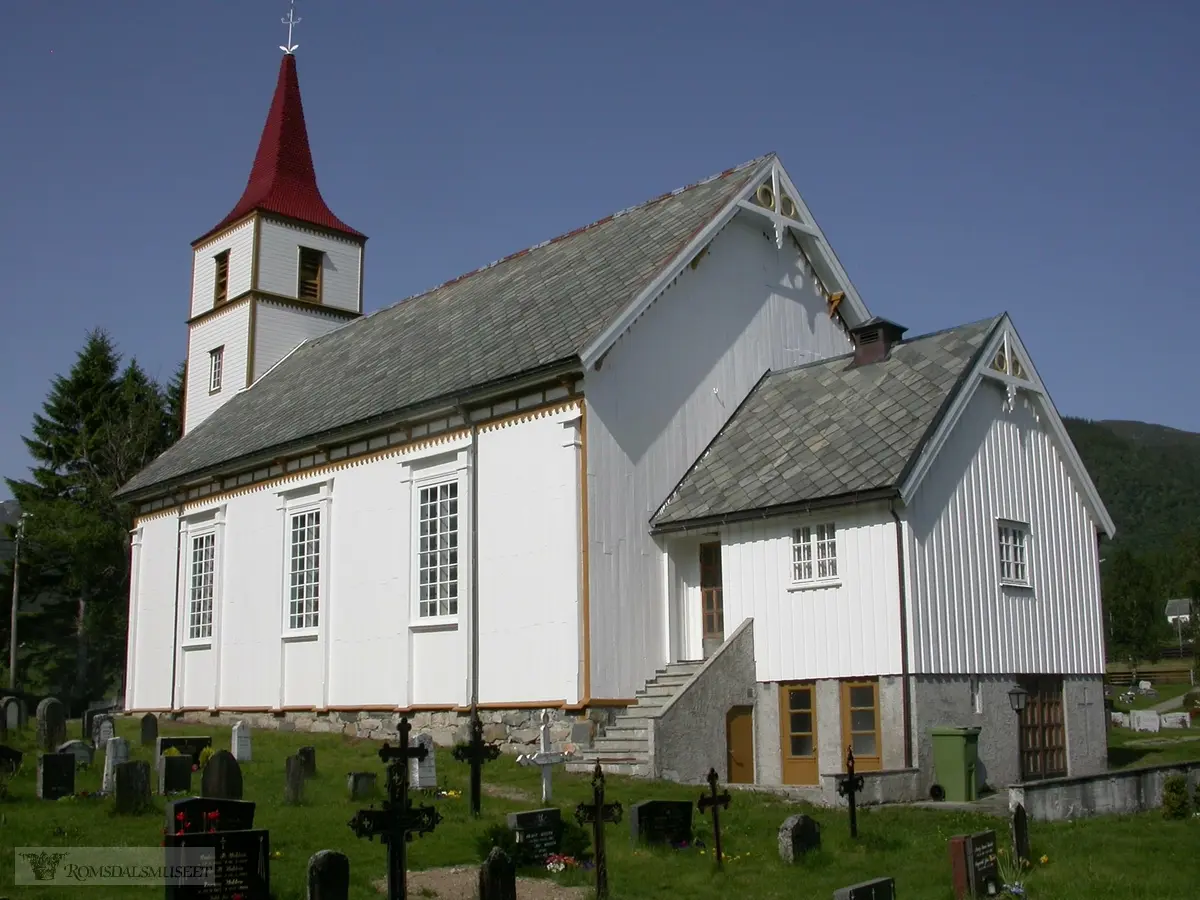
[103, 728]
[13, 709]
[174, 774]
[1174, 720]
[149, 729]
[3, 727]
[328, 876]
[1019, 826]
[116, 751]
[55, 775]
[850, 786]
[293, 783]
[51, 724]
[360, 785]
[713, 802]
[475, 752]
[661, 822]
[200, 814]
[222, 777]
[538, 833]
[131, 783]
[10, 760]
[498, 877]
[87, 727]
[239, 740]
[798, 835]
[1144, 720]
[973, 865]
[189, 745]
[422, 773]
[241, 859]
[1120, 719]
[82, 750]
[877, 889]
[545, 758]
[598, 814]
[308, 757]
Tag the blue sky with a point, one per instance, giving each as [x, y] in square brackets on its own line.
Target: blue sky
[962, 158]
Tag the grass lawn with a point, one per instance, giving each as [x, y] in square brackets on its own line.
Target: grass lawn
[1127, 748]
[1131, 857]
[1162, 692]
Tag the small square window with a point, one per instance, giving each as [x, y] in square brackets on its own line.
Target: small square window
[310, 274]
[216, 366]
[1013, 541]
[814, 553]
[221, 281]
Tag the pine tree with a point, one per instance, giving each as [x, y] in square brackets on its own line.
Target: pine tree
[175, 393]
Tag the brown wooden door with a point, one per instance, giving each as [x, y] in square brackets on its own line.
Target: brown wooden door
[798, 726]
[712, 608]
[860, 725]
[739, 739]
[1042, 735]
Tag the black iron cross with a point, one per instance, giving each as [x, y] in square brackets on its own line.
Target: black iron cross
[399, 820]
[596, 814]
[848, 786]
[716, 802]
[476, 752]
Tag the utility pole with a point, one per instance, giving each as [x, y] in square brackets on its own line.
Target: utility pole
[12, 627]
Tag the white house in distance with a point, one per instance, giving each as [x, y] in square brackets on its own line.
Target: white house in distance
[665, 473]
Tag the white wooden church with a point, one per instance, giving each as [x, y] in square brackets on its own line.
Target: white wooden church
[666, 474]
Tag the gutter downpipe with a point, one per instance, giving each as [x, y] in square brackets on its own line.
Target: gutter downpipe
[474, 489]
[905, 688]
[175, 630]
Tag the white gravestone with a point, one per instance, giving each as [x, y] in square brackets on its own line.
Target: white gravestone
[545, 758]
[240, 742]
[422, 773]
[1144, 720]
[103, 729]
[116, 751]
[1174, 720]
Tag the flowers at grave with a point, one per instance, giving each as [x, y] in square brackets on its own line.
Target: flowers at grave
[448, 794]
[1045, 859]
[276, 854]
[557, 862]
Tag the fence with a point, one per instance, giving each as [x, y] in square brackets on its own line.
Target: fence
[1156, 675]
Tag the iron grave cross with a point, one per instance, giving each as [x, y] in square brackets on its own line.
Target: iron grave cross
[848, 786]
[399, 820]
[476, 752]
[596, 814]
[716, 802]
[545, 758]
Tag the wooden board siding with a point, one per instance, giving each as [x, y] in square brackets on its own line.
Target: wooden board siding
[279, 260]
[240, 244]
[229, 328]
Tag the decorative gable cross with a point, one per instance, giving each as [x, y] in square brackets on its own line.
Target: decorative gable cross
[596, 814]
[476, 752]
[772, 207]
[545, 758]
[716, 802]
[399, 820]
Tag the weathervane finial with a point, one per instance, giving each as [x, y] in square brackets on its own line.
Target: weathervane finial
[291, 22]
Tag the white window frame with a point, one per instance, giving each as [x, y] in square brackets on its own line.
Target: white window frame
[195, 526]
[216, 369]
[809, 564]
[1013, 538]
[201, 596]
[422, 475]
[313, 498]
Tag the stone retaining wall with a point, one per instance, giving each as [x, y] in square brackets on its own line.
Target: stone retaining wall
[1111, 793]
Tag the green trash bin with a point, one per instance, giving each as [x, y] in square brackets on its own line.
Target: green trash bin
[955, 759]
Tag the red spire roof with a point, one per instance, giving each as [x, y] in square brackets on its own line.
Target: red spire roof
[283, 179]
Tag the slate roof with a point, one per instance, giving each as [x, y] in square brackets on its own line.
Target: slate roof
[1181, 606]
[825, 429]
[539, 307]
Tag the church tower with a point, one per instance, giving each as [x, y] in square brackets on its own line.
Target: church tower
[279, 269]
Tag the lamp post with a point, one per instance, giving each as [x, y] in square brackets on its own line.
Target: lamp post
[12, 627]
[1018, 697]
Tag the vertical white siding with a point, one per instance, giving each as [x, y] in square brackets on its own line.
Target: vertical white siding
[231, 329]
[849, 630]
[279, 264]
[746, 307]
[197, 675]
[998, 464]
[153, 614]
[279, 329]
[240, 244]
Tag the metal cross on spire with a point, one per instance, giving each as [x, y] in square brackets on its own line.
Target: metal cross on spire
[291, 22]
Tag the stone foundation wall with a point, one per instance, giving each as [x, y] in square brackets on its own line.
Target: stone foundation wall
[517, 730]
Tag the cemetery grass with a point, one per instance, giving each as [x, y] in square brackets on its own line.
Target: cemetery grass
[1127, 858]
[1129, 749]
[1162, 692]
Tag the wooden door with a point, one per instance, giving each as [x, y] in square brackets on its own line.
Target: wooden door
[1042, 735]
[860, 725]
[798, 725]
[711, 608]
[739, 741]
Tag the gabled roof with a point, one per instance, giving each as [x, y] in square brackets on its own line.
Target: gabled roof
[283, 179]
[827, 430]
[1181, 606]
[533, 309]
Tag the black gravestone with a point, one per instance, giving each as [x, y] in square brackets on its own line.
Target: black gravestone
[55, 775]
[328, 876]
[222, 777]
[798, 835]
[293, 783]
[195, 815]
[360, 785]
[876, 889]
[174, 774]
[191, 745]
[241, 860]
[51, 724]
[308, 758]
[538, 833]
[1020, 835]
[661, 822]
[149, 729]
[498, 877]
[132, 787]
[982, 869]
[10, 760]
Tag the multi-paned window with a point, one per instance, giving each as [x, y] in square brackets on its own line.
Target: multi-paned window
[221, 277]
[860, 722]
[304, 594]
[216, 366]
[1014, 544]
[310, 275]
[437, 553]
[201, 581]
[814, 553]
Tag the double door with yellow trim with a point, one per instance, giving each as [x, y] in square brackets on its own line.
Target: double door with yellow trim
[859, 729]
